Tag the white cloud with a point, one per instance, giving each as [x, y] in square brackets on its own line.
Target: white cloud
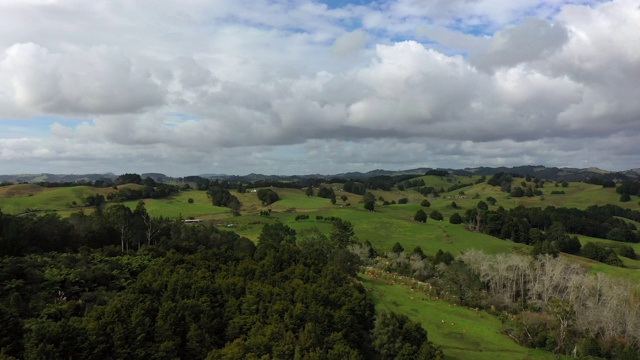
[238, 84]
[532, 40]
[349, 43]
[98, 80]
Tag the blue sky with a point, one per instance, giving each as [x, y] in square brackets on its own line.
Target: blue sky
[317, 87]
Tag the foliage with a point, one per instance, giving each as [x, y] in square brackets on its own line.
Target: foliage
[503, 180]
[267, 196]
[222, 197]
[355, 187]
[627, 251]
[128, 179]
[203, 293]
[600, 253]
[420, 216]
[561, 307]
[325, 192]
[436, 172]
[397, 248]
[455, 218]
[395, 336]
[436, 215]
[369, 201]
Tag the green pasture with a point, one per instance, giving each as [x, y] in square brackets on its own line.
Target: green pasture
[481, 338]
[441, 182]
[383, 227]
[178, 205]
[33, 197]
[289, 199]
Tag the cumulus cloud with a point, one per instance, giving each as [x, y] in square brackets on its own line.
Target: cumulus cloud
[98, 80]
[273, 87]
[349, 43]
[532, 40]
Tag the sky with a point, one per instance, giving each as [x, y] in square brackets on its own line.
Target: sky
[310, 87]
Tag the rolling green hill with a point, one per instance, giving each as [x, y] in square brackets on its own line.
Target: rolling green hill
[388, 224]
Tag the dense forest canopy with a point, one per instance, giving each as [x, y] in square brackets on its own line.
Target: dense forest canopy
[194, 292]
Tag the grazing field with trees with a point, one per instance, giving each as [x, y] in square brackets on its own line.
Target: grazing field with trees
[467, 264]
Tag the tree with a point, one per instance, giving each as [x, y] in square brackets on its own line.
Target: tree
[267, 196]
[460, 281]
[369, 201]
[454, 205]
[420, 216]
[145, 226]
[627, 251]
[436, 215]
[418, 251]
[395, 336]
[128, 179]
[222, 197]
[341, 233]
[443, 257]
[120, 217]
[309, 191]
[517, 192]
[397, 248]
[425, 203]
[148, 181]
[325, 192]
[625, 197]
[529, 192]
[455, 219]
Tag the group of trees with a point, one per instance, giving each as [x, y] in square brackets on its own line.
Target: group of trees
[558, 306]
[222, 197]
[629, 187]
[547, 228]
[156, 191]
[421, 216]
[116, 225]
[198, 292]
[543, 301]
[267, 196]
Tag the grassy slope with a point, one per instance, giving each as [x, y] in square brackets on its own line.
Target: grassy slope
[178, 205]
[481, 340]
[16, 199]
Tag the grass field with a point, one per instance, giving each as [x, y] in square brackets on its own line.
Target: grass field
[480, 339]
[178, 205]
[383, 228]
[17, 199]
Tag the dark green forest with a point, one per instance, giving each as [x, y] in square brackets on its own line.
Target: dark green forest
[72, 290]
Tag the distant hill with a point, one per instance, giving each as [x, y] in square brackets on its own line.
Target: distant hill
[155, 176]
[554, 173]
[44, 177]
[539, 171]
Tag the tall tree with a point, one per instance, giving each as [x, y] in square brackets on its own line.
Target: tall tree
[120, 217]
